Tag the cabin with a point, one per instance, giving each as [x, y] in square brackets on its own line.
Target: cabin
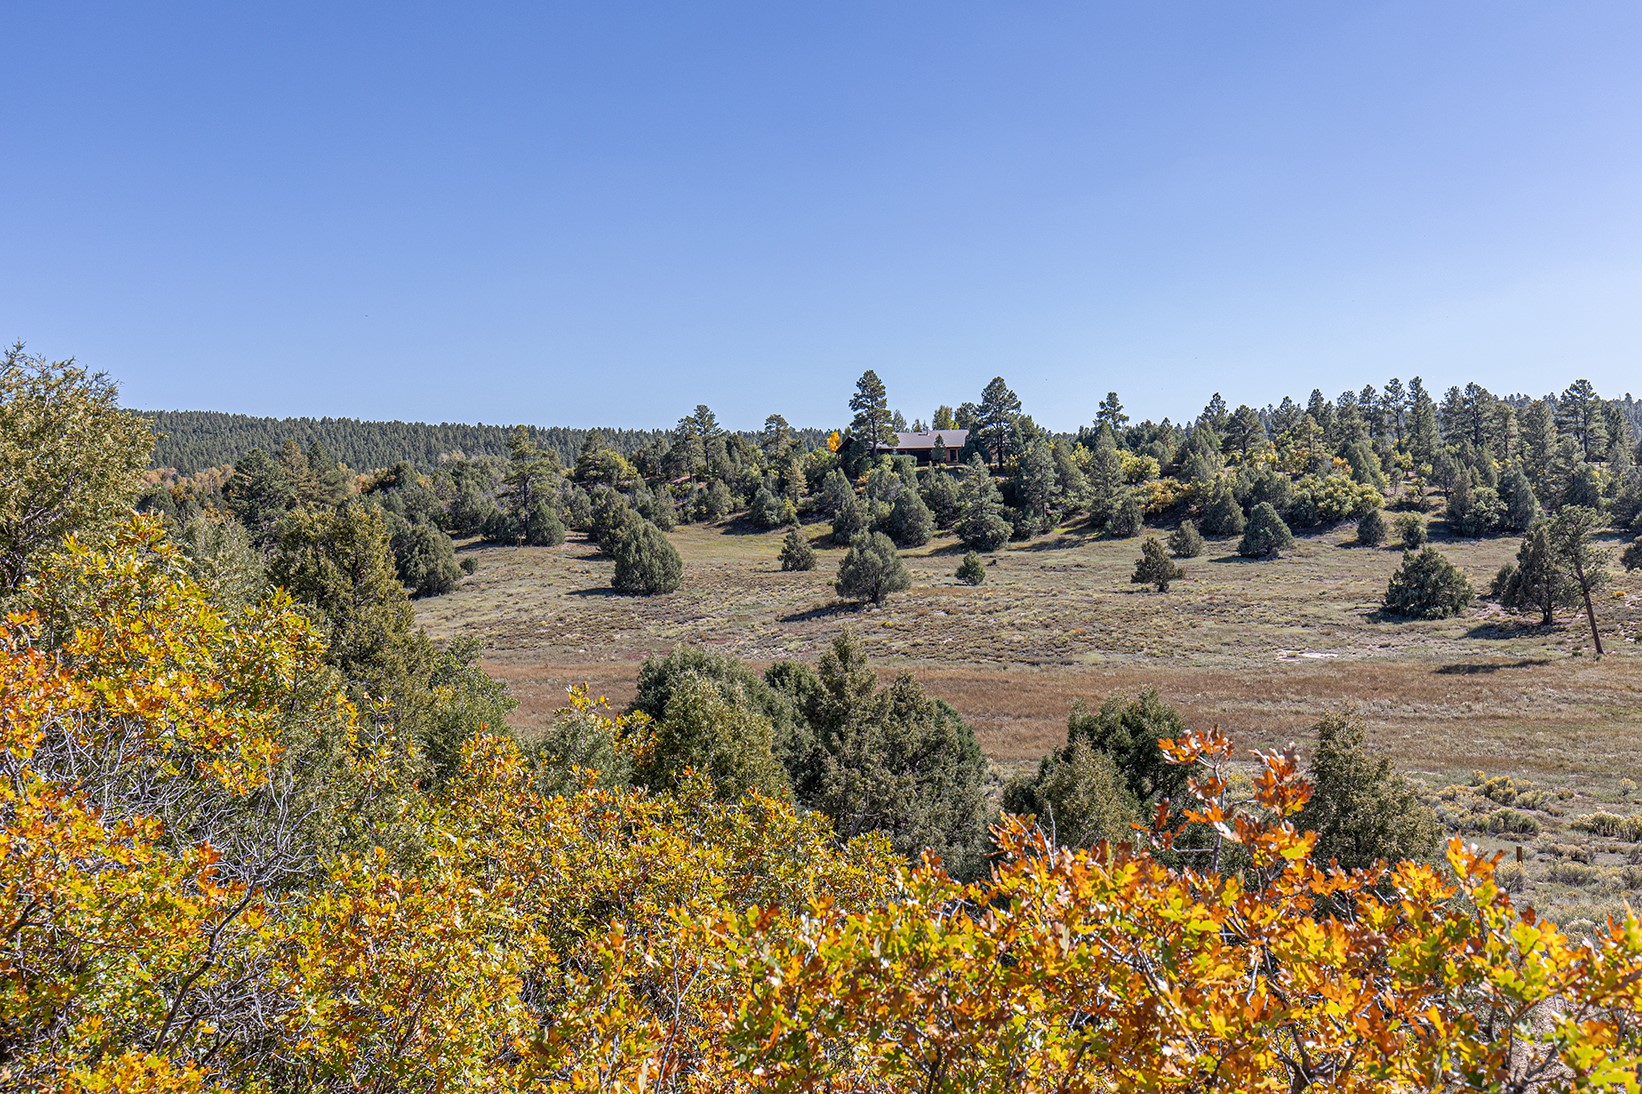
[926, 445]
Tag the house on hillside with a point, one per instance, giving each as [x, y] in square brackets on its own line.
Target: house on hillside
[931, 446]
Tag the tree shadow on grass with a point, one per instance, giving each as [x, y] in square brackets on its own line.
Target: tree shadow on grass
[744, 525]
[597, 590]
[1498, 632]
[1475, 668]
[1054, 543]
[824, 611]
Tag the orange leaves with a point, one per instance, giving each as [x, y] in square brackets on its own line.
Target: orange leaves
[1073, 970]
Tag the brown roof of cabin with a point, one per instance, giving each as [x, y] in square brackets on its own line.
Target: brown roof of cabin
[950, 438]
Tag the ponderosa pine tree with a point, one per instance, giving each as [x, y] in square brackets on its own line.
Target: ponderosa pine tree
[871, 570]
[796, 552]
[995, 423]
[873, 424]
[1155, 567]
[1579, 414]
[1427, 586]
[1265, 535]
[339, 563]
[646, 563]
[532, 473]
[1105, 477]
[1111, 412]
[1586, 563]
[981, 524]
[259, 496]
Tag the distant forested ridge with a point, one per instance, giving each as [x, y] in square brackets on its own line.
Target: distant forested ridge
[191, 440]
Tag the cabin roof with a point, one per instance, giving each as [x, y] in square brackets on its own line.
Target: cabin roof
[950, 438]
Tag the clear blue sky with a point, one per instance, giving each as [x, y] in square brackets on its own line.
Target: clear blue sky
[607, 212]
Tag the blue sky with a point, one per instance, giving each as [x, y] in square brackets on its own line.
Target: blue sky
[606, 212]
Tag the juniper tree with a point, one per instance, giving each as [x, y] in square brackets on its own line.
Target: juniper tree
[730, 742]
[1427, 586]
[1362, 809]
[871, 570]
[1185, 541]
[1128, 732]
[770, 510]
[1632, 558]
[971, 571]
[662, 678]
[1371, 528]
[796, 552]
[1410, 531]
[425, 559]
[836, 492]
[910, 522]
[646, 563]
[894, 760]
[852, 517]
[1537, 581]
[1517, 494]
[1265, 535]
[940, 494]
[1223, 517]
[1154, 567]
[1126, 520]
[1077, 796]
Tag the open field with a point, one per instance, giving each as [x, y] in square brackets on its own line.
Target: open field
[1258, 647]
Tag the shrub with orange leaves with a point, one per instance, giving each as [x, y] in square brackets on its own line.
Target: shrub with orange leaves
[1103, 970]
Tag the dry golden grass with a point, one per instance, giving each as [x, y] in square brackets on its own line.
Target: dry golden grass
[1259, 647]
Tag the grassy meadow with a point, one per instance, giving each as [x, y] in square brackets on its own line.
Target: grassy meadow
[1258, 647]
